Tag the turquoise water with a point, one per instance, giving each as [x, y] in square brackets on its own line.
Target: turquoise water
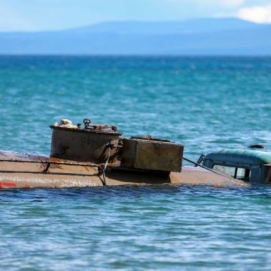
[204, 103]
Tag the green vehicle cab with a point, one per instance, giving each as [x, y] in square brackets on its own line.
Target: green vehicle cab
[250, 165]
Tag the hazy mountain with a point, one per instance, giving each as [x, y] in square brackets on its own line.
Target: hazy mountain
[192, 37]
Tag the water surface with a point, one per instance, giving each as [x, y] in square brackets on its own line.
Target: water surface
[204, 103]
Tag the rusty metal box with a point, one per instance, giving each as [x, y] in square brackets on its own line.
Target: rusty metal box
[83, 145]
[151, 155]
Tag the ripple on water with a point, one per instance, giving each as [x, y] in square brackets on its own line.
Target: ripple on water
[164, 227]
[203, 103]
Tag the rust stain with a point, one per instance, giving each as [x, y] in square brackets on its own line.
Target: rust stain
[7, 184]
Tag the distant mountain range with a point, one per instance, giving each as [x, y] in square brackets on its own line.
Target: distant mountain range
[225, 36]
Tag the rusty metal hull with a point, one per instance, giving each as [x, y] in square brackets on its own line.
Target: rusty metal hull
[20, 170]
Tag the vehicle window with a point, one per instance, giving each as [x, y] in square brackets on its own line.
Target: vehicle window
[237, 173]
[240, 173]
[228, 170]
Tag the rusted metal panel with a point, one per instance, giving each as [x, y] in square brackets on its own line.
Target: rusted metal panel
[19, 170]
[151, 155]
[84, 145]
[89, 157]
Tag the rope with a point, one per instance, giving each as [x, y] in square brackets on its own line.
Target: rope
[105, 166]
[197, 164]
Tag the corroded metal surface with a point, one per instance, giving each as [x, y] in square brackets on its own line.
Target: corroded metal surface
[97, 156]
[151, 155]
[200, 176]
[23, 170]
[84, 144]
[17, 171]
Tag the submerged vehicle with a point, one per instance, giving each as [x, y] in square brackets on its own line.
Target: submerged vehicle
[98, 155]
[251, 165]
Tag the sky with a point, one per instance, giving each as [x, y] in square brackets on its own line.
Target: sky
[43, 15]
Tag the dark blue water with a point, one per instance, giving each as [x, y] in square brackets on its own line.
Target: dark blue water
[204, 103]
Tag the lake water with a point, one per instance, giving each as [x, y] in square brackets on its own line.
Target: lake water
[203, 103]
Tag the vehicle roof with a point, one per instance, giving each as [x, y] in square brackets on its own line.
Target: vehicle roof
[241, 156]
